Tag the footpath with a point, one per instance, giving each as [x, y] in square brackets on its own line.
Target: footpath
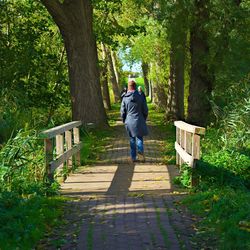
[119, 205]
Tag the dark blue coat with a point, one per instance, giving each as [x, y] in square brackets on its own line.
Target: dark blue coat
[134, 112]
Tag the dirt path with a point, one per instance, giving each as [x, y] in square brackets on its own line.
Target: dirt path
[118, 205]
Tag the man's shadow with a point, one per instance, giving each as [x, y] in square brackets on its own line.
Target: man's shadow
[122, 179]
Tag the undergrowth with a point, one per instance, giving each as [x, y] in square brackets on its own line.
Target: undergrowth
[94, 141]
[24, 221]
[29, 205]
[158, 119]
[222, 195]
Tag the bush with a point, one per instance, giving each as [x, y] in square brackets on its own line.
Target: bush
[22, 165]
[25, 221]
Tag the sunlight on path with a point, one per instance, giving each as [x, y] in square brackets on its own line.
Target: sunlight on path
[129, 206]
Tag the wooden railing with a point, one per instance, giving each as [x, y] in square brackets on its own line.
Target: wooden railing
[187, 143]
[66, 147]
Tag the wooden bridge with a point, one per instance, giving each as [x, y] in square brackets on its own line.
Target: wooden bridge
[127, 205]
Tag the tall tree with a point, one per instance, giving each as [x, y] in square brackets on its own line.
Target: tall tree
[112, 75]
[177, 21]
[104, 78]
[31, 45]
[174, 19]
[200, 83]
[116, 66]
[145, 69]
[74, 19]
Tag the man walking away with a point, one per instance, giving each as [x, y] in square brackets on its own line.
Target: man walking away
[123, 92]
[140, 91]
[134, 112]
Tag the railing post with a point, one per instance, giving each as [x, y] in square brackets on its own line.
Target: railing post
[76, 136]
[68, 140]
[178, 141]
[48, 148]
[182, 143]
[61, 134]
[196, 146]
[188, 144]
[196, 155]
[59, 147]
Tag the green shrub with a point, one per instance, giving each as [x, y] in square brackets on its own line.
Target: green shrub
[24, 221]
[226, 216]
[22, 165]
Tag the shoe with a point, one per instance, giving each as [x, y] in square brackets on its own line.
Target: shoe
[132, 160]
[141, 156]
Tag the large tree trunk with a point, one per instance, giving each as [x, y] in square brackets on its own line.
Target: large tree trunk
[116, 67]
[159, 93]
[160, 97]
[200, 83]
[177, 62]
[104, 79]
[113, 77]
[145, 77]
[74, 19]
[179, 83]
[171, 100]
[150, 94]
[176, 84]
[151, 85]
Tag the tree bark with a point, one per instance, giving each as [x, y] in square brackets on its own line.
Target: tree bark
[177, 61]
[175, 105]
[113, 77]
[171, 100]
[159, 93]
[200, 82]
[145, 77]
[74, 19]
[116, 67]
[104, 79]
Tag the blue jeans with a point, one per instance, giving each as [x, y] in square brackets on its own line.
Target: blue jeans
[133, 141]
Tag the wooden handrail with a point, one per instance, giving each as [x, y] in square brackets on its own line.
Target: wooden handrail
[187, 144]
[50, 133]
[67, 147]
[190, 128]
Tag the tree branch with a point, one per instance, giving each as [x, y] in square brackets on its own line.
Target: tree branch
[57, 11]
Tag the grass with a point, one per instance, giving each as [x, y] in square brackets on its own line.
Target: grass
[158, 119]
[90, 236]
[162, 229]
[222, 196]
[140, 82]
[225, 214]
[24, 221]
[94, 141]
[221, 199]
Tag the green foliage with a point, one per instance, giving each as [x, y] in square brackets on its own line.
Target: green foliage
[24, 221]
[234, 128]
[109, 23]
[94, 140]
[224, 210]
[22, 165]
[33, 75]
[225, 168]
[222, 196]
[227, 147]
[184, 178]
[158, 119]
